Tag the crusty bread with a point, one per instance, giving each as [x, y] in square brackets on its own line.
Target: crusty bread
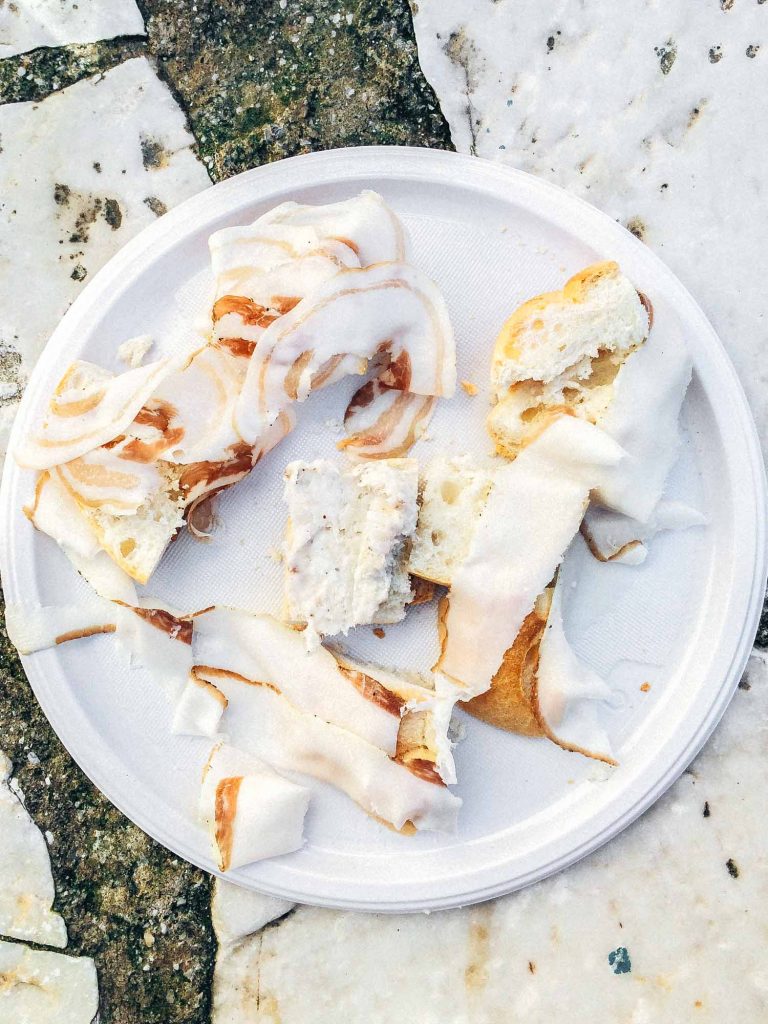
[510, 702]
[559, 353]
[452, 493]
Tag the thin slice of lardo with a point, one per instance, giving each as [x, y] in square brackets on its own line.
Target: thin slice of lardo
[382, 422]
[154, 638]
[89, 407]
[452, 494]
[56, 513]
[261, 272]
[509, 702]
[199, 708]
[613, 537]
[346, 542]
[533, 511]
[26, 883]
[644, 418]
[250, 811]
[365, 223]
[38, 986]
[568, 695]
[543, 689]
[257, 649]
[389, 312]
[265, 723]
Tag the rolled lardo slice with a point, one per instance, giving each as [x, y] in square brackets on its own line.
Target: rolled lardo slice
[613, 537]
[89, 407]
[568, 695]
[364, 223]
[39, 986]
[386, 311]
[227, 643]
[199, 708]
[346, 541]
[56, 513]
[533, 510]
[26, 884]
[251, 812]
[643, 417]
[200, 400]
[384, 423]
[263, 722]
[261, 272]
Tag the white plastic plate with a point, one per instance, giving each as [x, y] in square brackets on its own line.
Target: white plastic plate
[683, 621]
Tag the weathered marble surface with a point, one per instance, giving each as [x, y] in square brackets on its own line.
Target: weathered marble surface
[28, 24]
[666, 924]
[62, 222]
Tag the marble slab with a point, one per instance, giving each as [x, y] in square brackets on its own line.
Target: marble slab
[27, 24]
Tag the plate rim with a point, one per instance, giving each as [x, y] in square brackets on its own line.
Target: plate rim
[426, 165]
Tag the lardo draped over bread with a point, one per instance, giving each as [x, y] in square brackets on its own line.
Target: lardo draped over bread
[137, 455]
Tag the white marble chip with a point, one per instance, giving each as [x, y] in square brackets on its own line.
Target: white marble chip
[26, 883]
[666, 924]
[238, 912]
[648, 110]
[27, 24]
[81, 173]
[38, 987]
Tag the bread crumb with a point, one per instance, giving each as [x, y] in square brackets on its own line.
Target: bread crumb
[379, 632]
[470, 388]
[133, 351]
[276, 555]
[645, 687]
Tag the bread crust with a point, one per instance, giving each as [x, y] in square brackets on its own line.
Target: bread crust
[574, 290]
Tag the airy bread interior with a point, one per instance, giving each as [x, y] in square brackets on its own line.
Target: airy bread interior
[452, 493]
[560, 353]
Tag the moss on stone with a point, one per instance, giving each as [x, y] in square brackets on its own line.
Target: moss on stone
[264, 81]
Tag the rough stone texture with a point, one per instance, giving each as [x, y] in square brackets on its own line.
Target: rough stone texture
[269, 80]
[258, 81]
[143, 914]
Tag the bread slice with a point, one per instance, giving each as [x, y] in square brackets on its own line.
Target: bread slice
[452, 494]
[560, 352]
[347, 539]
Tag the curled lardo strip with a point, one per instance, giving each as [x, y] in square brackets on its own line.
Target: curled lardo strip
[386, 311]
[89, 407]
[384, 423]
